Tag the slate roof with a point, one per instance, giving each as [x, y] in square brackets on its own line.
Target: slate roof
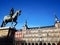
[42, 27]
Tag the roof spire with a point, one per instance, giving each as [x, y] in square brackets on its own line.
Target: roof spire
[56, 19]
[25, 23]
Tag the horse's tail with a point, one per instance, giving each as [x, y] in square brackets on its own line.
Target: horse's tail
[2, 24]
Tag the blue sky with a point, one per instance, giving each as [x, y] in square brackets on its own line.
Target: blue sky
[37, 12]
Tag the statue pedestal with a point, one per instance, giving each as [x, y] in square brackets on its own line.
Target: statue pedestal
[7, 35]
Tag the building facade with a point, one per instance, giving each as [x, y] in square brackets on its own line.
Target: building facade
[47, 35]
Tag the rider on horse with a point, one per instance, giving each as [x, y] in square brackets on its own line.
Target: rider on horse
[11, 12]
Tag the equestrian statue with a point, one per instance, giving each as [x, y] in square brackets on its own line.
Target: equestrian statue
[11, 18]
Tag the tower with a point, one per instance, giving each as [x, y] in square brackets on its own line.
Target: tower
[24, 28]
[57, 22]
[25, 25]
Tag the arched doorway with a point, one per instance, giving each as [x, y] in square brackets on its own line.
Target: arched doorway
[28, 43]
[49, 44]
[44, 44]
[32, 43]
[53, 43]
[36, 44]
[22, 43]
[40, 43]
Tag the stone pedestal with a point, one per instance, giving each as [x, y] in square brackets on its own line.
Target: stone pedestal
[7, 35]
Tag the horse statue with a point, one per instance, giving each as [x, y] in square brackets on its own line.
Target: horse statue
[9, 19]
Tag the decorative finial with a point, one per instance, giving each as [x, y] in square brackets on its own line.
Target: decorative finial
[25, 23]
[56, 19]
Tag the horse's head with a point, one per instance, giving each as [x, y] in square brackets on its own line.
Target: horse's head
[18, 12]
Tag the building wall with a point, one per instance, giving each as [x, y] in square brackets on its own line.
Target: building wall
[39, 35]
[3, 33]
[45, 34]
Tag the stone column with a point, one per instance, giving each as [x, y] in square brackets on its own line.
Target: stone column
[30, 43]
[51, 43]
[55, 43]
[34, 43]
[42, 43]
[27, 43]
[38, 43]
[46, 43]
[24, 43]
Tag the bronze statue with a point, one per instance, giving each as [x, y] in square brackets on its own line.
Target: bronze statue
[12, 18]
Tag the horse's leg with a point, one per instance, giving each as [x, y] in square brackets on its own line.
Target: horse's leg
[15, 24]
[5, 22]
[12, 23]
[2, 24]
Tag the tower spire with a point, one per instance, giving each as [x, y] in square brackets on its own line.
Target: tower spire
[56, 19]
[25, 23]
